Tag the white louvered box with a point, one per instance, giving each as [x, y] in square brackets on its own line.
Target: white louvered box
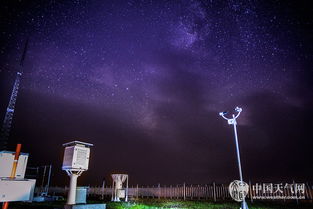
[76, 157]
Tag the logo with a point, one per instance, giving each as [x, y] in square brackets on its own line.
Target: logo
[238, 190]
[264, 191]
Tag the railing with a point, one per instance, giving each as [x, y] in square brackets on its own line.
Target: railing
[214, 192]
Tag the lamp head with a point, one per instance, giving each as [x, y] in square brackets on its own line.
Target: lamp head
[238, 109]
[222, 113]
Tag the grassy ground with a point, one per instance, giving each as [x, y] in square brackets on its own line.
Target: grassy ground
[168, 204]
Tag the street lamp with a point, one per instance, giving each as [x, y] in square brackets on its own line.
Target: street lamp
[232, 121]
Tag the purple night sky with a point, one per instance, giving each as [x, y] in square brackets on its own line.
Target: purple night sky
[144, 81]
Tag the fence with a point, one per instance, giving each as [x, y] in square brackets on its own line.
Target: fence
[214, 192]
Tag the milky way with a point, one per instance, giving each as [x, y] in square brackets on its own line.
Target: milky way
[144, 81]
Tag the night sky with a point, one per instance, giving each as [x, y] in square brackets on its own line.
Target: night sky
[145, 80]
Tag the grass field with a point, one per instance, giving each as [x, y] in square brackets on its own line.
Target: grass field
[169, 204]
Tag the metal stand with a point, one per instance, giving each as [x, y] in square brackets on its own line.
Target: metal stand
[75, 162]
[71, 199]
[117, 188]
[232, 121]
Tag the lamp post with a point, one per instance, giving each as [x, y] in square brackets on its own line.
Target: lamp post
[232, 121]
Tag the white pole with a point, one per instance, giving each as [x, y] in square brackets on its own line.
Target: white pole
[234, 123]
[113, 192]
[243, 204]
[48, 183]
[71, 199]
[237, 148]
[43, 179]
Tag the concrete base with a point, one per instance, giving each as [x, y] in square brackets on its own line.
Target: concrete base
[86, 206]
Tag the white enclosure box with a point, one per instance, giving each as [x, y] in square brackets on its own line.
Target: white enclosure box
[81, 195]
[121, 193]
[76, 157]
[16, 190]
[6, 164]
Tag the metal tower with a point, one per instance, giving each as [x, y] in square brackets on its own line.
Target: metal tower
[7, 122]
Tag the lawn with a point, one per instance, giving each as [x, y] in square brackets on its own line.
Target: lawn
[169, 204]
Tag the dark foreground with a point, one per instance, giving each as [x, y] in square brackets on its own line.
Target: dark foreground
[167, 204]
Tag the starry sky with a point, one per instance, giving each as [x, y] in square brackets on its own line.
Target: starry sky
[144, 80]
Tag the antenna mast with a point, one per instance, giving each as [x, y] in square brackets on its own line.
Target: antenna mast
[7, 122]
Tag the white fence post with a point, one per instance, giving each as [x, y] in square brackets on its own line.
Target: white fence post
[184, 191]
[251, 195]
[309, 192]
[137, 191]
[214, 194]
[159, 191]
